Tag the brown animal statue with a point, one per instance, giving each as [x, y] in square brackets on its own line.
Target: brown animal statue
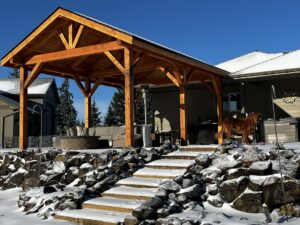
[244, 126]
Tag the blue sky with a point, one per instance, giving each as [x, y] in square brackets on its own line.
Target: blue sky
[211, 30]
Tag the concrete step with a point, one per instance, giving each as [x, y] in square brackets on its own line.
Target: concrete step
[92, 217]
[140, 182]
[127, 192]
[158, 173]
[199, 148]
[170, 163]
[183, 155]
[112, 204]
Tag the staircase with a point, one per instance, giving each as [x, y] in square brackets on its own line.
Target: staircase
[129, 193]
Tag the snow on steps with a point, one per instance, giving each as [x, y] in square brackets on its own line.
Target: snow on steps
[92, 216]
[158, 173]
[140, 182]
[170, 163]
[199, 148]
[126, 192]
[183, 155]
[112, 204]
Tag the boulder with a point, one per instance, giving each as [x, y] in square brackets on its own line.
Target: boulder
[131, 220]
[193, 193]
[203, 160]
[225, 162]
[260, 168]
[154, 203]
[236, 172]
[249, 201]
[273, 194]
[249, 156]
[170, 186]
[32, 179]
[215, 201]
[210, 175]
[212, 189]
[144, 212]
[289, 167]
[231, 189]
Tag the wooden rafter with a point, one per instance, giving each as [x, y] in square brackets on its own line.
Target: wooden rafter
[71, 42]
[94, 88]
[73, 53]
[115, 61]
[209, 87]
[33, 75]
[170, 76]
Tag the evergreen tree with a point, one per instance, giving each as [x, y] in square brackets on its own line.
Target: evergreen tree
[66, 113]
[116, 110]
[14, 74]
[79, 123]
[95, 115]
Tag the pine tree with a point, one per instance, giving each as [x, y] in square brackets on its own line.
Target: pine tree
[95, 115]
[14, 74]
[66, 113]
[116, 110]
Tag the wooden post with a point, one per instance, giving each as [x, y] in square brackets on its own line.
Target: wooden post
[219, 108]
[183, 126]
[23, 110]
[87, 105]
[129, 99]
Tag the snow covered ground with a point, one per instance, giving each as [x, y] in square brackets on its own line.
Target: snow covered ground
[10, 214]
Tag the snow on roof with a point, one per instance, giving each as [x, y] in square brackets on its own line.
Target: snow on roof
[12, 86]
[246, 61]
[287, 61]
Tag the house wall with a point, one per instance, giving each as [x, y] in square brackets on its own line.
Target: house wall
[200, 105]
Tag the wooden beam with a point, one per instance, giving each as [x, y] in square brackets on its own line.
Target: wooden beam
[64, 40]
[170, 76]
[210, 88]
[82, 89]
[216, 83]
[183, 123]
[23, 110]
[87, 105]
[129, 99]
[70, 29]
[73, 53]
[219, 108]
[78, 35]
[33, 75]
[94, 88]
[115, 62]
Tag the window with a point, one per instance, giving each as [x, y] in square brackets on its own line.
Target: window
[231, 102]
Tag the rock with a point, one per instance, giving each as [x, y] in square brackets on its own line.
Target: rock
[203, 160]
[260, 168]
[162, 193]
[193, 193]
[273, 194]
[31, 180]
[231, 189]
[154, 203]
[170, 186]
[210, 175]
[256, 182]
[68, 205]
[187, 183]
[85, 168]
[143, 213]
[212, 189]
[225, 162]
[292, 210]
[249, 156]
[168, 221]
[61, 158]
[215, 201]
[236, 172]
[49, 189]
[131, 220]
[249, 201]
[15, 180]
[289, 167]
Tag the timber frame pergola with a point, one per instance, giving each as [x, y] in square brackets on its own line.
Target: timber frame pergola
[92, 53]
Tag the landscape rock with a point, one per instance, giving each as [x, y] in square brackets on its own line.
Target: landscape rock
[249, 201]
[215, 201]
[203, 160]
[236, 172]
[260, 168]
[144, 212]
[231, 189]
